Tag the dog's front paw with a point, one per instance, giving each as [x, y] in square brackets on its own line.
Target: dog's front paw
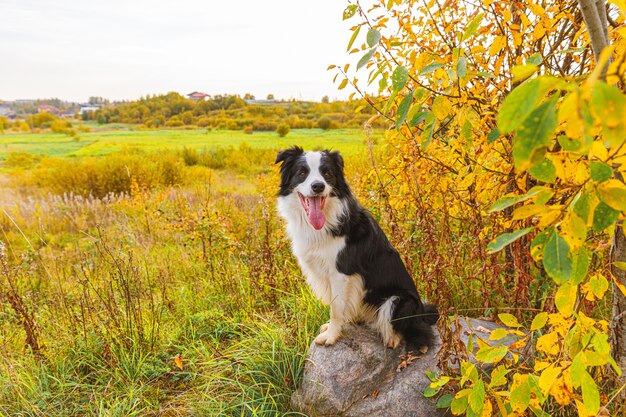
[393, 342]
[324, 327]
[328, 336]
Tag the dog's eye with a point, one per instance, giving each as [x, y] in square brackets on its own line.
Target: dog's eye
[327, 174]
[302, 173]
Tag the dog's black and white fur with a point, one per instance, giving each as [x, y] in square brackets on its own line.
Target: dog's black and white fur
[345, 256]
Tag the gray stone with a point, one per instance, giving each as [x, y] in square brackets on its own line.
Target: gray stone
[358, 376]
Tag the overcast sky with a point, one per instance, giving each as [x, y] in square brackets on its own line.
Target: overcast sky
[123, 49]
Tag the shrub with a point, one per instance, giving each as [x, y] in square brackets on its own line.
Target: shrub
[204, 121]
[174, 121]
[248, 130]
[282, 130]
[190, 156]
[324, 123]
[21, 160]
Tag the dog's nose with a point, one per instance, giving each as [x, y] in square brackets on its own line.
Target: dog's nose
[318, 187]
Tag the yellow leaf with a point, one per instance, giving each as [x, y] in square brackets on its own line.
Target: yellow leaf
[619, 285]
[487, 409]
[565, 298]
[582, 410]
[525, 212]
[548, 378]
[441, 107]
[549, 216]
[599, 151]
[509, 320]
[498, 334]
[539, 321]
[178, 360]
[497, 45]
[538, 32]
[613, 193]
[548, 343]
[574, 230]
[561, 392]
[521, 72]
[570, 116]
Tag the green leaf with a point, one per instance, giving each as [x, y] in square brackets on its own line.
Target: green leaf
[365, 59]
[403, 109]
[603, 217]
[431, 392]
[534, 59]
[490, 354]
[444, 401]
[577, 369]
[427, 134]
[399, 78]
[520, 396]
[539, 243]
[505, 239]
[538, 193]
[598, 285]
[557, 260]
[519, 104]
[353, 37]
[468, 372]
[544, 171]
[493, 135]
[580, 206]
[498, 376]
[430, 68]
[535, 134]
[461, 67]
[433, 376]
[539, 321]
[349, 11]
[569, 144]
[600, 171]
[418, 117]
[565, 298]
[581, 265]
[458, 405]
[591, 394]
[472, 27]
[476, 399]
[373, 36]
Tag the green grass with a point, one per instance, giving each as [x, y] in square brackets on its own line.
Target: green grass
[106, 142]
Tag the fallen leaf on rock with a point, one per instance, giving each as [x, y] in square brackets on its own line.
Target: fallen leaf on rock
[483, 329]
[406, 360]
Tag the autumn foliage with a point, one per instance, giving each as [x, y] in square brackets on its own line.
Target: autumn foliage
[504, 166]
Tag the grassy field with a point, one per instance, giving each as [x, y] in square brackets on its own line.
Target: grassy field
[137, 279]
[106, 142]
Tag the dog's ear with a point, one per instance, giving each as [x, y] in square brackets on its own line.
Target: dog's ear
[336, 157]
[290, 153]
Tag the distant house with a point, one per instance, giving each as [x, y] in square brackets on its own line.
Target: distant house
[197, 96]
[84, 108]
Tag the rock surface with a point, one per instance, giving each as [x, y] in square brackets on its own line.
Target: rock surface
[357, 377]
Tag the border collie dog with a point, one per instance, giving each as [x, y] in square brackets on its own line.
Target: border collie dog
[345, 256]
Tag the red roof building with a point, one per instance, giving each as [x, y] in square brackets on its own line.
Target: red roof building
[196, 96]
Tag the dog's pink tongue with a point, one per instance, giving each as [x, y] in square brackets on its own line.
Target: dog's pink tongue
[316, 215]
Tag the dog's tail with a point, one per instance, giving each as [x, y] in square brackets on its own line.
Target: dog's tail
[413, 320]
